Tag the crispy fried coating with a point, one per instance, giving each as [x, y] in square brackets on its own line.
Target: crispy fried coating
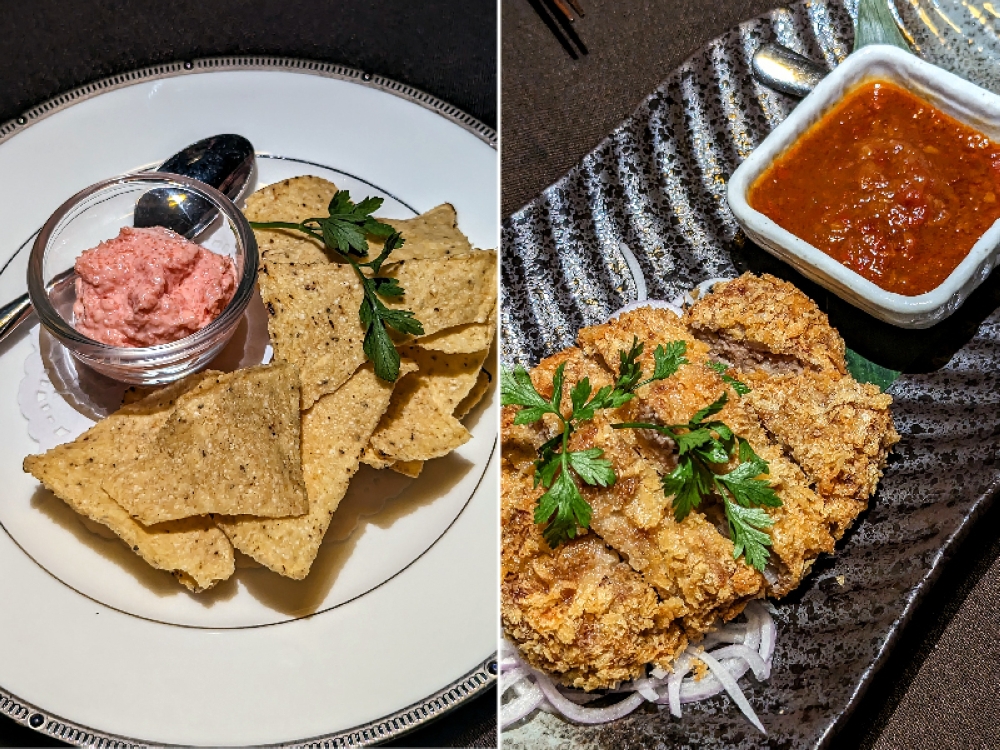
[837, 430]
[763, 321]
[690, 564]
[578, 611]
[638, 586]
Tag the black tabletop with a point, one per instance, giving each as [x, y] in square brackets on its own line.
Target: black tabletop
[444, 47]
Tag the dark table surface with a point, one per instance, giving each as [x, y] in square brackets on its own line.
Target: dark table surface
[939, 689]
[444, 47]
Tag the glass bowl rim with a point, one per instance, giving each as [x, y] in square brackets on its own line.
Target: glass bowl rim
[60, 327]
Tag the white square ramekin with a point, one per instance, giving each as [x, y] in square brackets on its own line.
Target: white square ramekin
[976, 107]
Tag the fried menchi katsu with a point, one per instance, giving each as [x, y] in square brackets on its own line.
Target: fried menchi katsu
[638, 585]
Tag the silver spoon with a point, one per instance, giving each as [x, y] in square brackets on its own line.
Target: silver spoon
[785, 70]
[225, 162]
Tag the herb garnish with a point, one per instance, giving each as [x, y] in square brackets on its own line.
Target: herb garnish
[343, 233]
[703, 445]
[865, 371]
[739, 386]
[562, 508]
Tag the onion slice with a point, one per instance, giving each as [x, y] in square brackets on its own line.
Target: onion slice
[517, 709]
[736, 648]
[584, 714]
[701, 290]
[733, 689]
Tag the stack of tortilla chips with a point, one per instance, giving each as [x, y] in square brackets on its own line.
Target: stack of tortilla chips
[259, 459]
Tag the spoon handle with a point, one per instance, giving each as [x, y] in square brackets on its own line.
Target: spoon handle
[785, 70]
[13, 314]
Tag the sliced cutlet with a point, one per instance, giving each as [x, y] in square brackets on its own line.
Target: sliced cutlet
[800, 532]
[578, 612]
[764, 323]
[690, 562]
[837, 430]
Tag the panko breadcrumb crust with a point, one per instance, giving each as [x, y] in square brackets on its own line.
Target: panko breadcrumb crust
[638, 586]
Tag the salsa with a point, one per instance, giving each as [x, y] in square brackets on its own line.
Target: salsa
[889, 186]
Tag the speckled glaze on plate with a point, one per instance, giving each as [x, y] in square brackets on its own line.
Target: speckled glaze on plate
[658, 183]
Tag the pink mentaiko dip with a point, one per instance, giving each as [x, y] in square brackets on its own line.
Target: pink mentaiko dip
[149, 286]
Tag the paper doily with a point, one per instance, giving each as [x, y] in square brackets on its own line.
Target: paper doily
[54, 418]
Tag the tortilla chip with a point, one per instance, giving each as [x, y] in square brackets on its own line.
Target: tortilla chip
[434, 234]
[471, 337]
[313, 321]
[413, 468]
[295, 200]
[334, 431]
[193, 550]
[229, 448]
[420, 423]
[447, 292]
[313, 310]
[135, 393]
[406, 468]
[410, 469]
[467, 404]
[369, 458]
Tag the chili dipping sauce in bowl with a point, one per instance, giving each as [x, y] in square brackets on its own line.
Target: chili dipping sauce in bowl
[883, 185]
[145, 305]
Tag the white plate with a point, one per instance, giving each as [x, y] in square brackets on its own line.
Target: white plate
[403, 613]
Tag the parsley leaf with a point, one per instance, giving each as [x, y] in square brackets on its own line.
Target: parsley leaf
[345, 233]
[711, 410]
[591, 468]
[701, 446]
[667, 360]
[378, 347]
[745, 526]
[629, 371]
[516, 388]
[559, 470]
[739, 386]
[743, 484]
[563, 510]
[348, 223]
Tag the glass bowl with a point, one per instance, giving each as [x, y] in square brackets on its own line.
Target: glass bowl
[98, 213]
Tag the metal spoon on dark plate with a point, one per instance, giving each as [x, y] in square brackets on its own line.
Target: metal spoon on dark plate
[785, 70]
[226, 162]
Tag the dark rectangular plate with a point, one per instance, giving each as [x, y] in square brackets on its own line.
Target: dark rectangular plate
[657, 183]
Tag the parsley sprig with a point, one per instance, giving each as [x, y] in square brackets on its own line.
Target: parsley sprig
[701, 447]
[344, 233]
[562, 508]
[739, 386]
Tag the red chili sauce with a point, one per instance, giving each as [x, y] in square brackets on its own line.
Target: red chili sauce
[886, 184]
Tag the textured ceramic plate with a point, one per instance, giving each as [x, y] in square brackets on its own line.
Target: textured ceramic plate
[658, 183]
[95, 648]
